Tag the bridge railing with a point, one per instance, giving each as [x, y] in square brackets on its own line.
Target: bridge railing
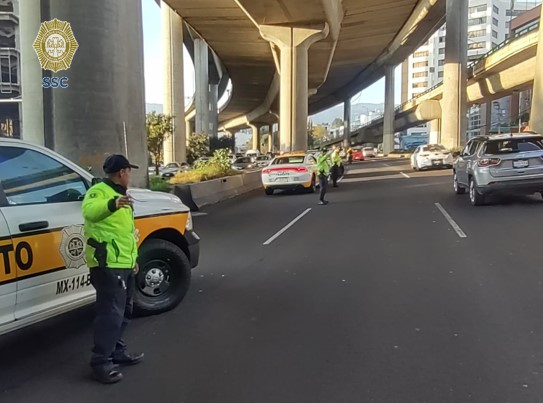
[519, 34]
[471, 67]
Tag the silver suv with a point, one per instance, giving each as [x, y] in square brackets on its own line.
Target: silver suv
[500, 164]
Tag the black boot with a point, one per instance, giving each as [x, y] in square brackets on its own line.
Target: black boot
[106, 375]
[125, 358]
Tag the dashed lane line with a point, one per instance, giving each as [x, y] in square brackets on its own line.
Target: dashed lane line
[453, 223]
[278, 234]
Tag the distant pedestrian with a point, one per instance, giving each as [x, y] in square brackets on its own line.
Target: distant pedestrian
[111, 254]
[323, 171]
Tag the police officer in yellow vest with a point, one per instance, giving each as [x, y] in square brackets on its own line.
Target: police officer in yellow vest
[111, 254]
[336, 166]
[323, 170]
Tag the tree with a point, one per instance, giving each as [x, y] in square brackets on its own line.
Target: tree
[319, 134]
[337, 123]
[310, 139]
[198, 147]
[159, 128]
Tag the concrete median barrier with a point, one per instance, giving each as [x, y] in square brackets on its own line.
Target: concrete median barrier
[197, 195]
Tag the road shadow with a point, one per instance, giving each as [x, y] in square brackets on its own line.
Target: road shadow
[514, 200]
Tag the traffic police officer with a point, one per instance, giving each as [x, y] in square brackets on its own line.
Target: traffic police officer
[323, 170]
[111, 254]
[336, 166]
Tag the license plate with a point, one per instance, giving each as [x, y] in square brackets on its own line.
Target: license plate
[520, 164]
[281, 179]
[437, 162]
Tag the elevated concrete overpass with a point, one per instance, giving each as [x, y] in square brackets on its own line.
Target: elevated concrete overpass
[509, 67]
[280, 53]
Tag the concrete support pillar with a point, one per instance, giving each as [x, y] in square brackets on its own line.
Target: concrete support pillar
[435, 132]
[405, 81]
[525, 102]
[103, 110]
[175, 147]
[189, 128]
[213, 110]
[32, 129]
[536, 114]
[514, 108]
[256, 137]
[454, 123]
[201, 70]
[232, 135]
[486, 111]
[293, 43]
[270, 138]
[388, 118]
[347, 123]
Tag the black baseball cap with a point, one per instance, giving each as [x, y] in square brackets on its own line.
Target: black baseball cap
[116, 162]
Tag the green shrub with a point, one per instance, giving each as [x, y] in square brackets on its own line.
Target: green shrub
[158, 184]
[216, 167]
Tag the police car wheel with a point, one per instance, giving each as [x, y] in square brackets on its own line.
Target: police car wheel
[269, 191]
[163, 278]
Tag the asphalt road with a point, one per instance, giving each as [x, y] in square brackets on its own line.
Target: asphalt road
[372, 298]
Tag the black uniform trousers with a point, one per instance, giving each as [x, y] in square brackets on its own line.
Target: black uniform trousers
[114, 300]
[335, 174]
[323, 184]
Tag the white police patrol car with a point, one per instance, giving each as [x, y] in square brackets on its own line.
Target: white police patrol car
[42, 263]
[295, 170]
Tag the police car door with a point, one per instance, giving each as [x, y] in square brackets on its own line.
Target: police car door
[8, 287]
[44, 217]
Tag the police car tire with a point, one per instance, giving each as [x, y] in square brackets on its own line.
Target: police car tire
[172, 255]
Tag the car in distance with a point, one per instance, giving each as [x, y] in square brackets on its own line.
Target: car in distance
[358, 154]
[242, 163]
[174, 167]
[431, 156]
[369, 152]
[262, 161]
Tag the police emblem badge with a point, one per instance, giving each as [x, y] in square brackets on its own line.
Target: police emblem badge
[55, 45]
[72, 247]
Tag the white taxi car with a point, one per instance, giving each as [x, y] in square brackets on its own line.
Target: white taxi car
[290, 171]
[42, 261]
[431, 156]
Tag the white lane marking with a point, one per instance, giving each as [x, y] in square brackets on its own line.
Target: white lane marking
[385, 164]
[455, 226]
[198, 214]
[407, 176]
[340, 179]
[273, 238]
[372, 178]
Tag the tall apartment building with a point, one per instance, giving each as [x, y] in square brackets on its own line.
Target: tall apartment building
[488, 26]
[10, 83]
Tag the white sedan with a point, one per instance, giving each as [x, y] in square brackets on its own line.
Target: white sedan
[369, 152]
[290, 171]
[431, 156]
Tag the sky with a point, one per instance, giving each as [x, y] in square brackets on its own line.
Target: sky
[153, 64]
